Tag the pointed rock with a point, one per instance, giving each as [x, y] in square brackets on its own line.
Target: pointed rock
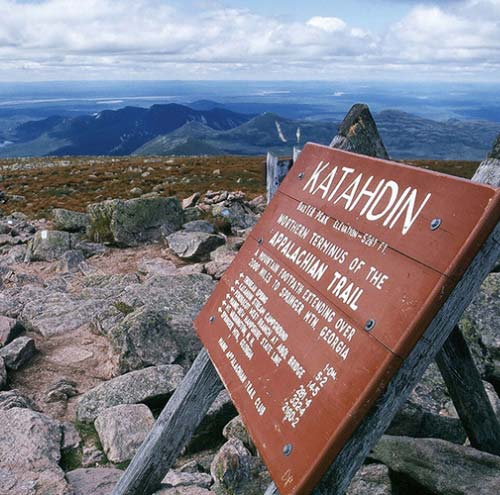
[358, 133]
[495, 152]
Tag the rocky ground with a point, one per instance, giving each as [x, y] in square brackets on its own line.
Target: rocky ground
[96, 314]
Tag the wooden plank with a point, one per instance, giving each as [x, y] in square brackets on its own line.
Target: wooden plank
[337, 479]
[316, 232]
[467, 391]
[459, 370]
[173, 429]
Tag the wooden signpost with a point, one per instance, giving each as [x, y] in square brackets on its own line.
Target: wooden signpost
[338, 301]
[336, 284]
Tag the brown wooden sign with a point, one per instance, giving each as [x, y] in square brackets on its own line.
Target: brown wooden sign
[333, 288]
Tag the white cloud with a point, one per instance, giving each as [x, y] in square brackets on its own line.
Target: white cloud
[106, 39]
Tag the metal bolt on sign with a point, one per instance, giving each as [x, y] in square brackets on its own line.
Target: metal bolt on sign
[370, 325]
[436, 223]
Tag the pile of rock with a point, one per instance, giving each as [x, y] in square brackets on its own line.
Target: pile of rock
[145, 317]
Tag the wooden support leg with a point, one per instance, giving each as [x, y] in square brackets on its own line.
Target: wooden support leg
[467, 391]
[173, 429]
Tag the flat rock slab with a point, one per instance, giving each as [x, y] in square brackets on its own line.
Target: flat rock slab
[10, 484]
[193, 245]
[181, 478]
[154, 383]
[184, 490]
[122, 429]
[441, 467]
[93, 481]
[30, 449]
[157, 266]
[18, 352]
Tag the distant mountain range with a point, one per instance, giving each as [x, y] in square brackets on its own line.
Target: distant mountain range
[209, 128]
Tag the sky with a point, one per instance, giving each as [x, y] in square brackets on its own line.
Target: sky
[453, 40]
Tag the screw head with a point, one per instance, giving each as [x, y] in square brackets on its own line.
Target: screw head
[370, 325]
[260, 240]
[287, 449]
[300, 176]
[436, 223]
[211, 319]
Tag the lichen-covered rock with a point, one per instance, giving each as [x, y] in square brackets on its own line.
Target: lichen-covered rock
[237, 213]
[182, 478]
[11, 484]
[10, 328]
[372, 479]
[235, 470]
[122, 429]
[71, 261]
[143, 386]
[13, 398]
[134, 221]
[30, 446]
[18, 352]
[69, 221]
[221, 259]
[157, 266]
[93, 481]
[183, 490]
[199, 226]
[439, 466]
[237, 429]
[193, 245]
[48, 245]
[146, 337]
[479, 325]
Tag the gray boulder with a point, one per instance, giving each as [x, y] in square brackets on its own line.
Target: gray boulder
[358, 133]
[199, 226]
[93, 481]
[10, 328]
[144, 338]
[193, 245]
[183, 478]
[134, 221]
[69, 221]
[157, 266]
[235, 470]
[30, 450]
[237, 429]
[71, 261]
[10, 484]
[48, 245]
[221, 259]
[122, 429]
[18, 352]
[441, 467]
[479, 325]
[153, 384]
[372, 479]
[236, 213]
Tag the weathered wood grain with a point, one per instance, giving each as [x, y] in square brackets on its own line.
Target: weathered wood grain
[173, 429]
[351, 457]
[469, 396]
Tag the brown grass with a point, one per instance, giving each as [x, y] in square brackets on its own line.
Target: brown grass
[74, 183]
